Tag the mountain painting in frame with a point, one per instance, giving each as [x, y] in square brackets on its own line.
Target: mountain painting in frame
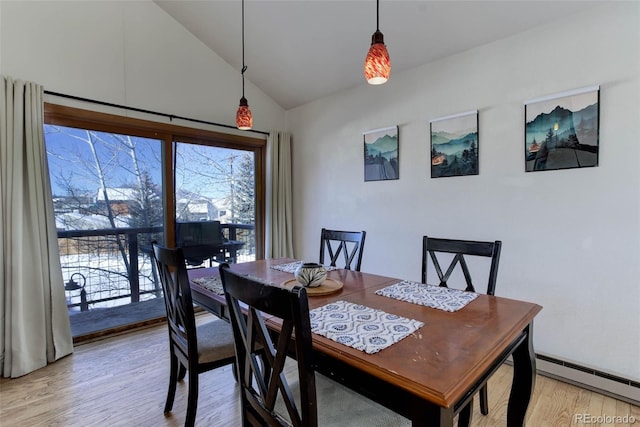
[381, 154]
[561, 130]
[454, 145]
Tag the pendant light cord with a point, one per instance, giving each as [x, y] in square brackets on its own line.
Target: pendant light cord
[377, 15]
[244, 67]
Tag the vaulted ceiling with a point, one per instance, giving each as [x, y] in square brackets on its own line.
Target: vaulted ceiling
[301, 50]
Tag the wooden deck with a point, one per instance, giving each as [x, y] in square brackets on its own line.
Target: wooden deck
[100, 322]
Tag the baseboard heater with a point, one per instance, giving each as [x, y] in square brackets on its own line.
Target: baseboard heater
[592, 379]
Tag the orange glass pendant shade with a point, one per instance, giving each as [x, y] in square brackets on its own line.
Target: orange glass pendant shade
[244, 118]
[377, 65]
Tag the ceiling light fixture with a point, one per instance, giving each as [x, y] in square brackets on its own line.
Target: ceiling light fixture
[244, 118]
[377, 66]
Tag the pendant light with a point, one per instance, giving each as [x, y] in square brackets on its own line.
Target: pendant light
[377, 66]
[244, 118]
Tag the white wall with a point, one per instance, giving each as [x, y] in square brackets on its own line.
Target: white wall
[125, 52]
[571, 238]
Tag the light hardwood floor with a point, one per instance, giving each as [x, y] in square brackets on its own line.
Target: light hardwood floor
[122, 381]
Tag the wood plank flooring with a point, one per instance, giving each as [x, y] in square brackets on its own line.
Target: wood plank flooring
[122, 381]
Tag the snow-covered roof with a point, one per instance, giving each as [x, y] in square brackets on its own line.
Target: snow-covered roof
[77, 221]
[117, 194]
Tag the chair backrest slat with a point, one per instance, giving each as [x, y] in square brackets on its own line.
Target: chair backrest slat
[460, 248]
[336, 242]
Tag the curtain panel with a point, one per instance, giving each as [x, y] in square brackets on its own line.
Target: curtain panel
[279, 218]
[34, 329]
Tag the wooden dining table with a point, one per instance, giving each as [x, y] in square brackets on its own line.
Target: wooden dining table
[431, 375]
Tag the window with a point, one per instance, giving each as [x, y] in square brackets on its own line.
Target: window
[119, 183]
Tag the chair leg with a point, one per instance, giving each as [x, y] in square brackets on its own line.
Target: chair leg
[464, 418]
[182, 371]
[192, 404]
[484, 400]
[173, 381]
[234, 367]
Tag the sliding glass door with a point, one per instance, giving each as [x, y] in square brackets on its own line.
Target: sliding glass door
[119, 183]
[215, 203]
[107, 194]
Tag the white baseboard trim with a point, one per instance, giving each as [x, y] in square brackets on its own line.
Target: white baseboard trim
[611, 385]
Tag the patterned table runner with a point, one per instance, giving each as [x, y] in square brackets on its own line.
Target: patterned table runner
[290, 267]
[428, 295]
[214, 284]
[361, 327]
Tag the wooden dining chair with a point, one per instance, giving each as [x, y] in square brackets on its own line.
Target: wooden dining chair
[193, 349]
[277, 390]
[433, 249]
[349, 243]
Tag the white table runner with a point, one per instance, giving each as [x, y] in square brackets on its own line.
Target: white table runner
[361, 327]
[290, 267]
[428, 295]
[213, 283]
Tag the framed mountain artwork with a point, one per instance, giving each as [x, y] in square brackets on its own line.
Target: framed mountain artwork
[454, 145]
[562, 130]
[381, 154]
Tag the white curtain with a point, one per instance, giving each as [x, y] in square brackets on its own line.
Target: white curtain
[279, 239]
[34, 323]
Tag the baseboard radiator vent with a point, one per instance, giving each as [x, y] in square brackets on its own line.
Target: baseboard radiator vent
[592, 379]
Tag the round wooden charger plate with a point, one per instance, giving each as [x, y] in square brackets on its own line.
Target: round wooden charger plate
[329, 286]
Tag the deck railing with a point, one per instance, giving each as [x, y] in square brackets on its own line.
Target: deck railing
[110, 267]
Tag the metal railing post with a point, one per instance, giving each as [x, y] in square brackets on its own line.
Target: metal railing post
[232, 231]
[84, 305]
[134, 274]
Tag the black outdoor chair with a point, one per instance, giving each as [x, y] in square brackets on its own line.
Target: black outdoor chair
[349, 243]
[272, 395]
[193, 349]
[458, 249]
